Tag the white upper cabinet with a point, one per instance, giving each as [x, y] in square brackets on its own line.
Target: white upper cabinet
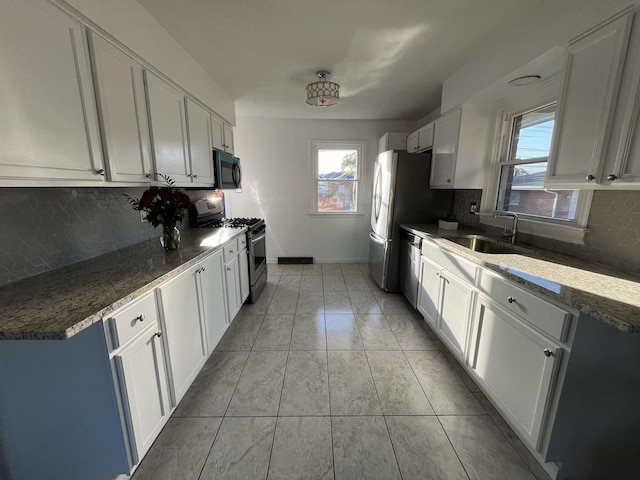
[123, 112]
[421, 140]
[392, 141]
[221, 135]
[168, 129]
[593, 72]
[49, 125]
[460, 147]
[200, 153]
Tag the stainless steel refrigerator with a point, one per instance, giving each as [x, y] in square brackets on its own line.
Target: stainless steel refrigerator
[401, 194]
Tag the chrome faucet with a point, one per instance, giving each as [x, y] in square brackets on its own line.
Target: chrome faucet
[508, 232]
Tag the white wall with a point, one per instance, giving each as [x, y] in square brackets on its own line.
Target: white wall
[276, 163]
[133, 26]
[553, 24]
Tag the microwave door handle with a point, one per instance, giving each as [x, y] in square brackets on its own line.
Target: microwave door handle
[236, 174]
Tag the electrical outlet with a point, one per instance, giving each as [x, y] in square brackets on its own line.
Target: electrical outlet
[143, 216]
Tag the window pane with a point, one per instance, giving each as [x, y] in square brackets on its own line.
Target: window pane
[531, 134]
[522, 191]
[337, 196]
[336, 164]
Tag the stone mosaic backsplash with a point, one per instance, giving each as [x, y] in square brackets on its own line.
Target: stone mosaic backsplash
[614, 229]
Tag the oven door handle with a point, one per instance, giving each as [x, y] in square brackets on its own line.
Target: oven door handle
[257, 239]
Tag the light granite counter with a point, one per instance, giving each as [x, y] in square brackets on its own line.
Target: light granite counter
[604, 293]
[60, 303]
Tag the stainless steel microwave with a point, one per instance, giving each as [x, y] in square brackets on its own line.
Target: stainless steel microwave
[227, 171]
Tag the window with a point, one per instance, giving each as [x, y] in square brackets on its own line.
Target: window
[337, 168]
[523, 170]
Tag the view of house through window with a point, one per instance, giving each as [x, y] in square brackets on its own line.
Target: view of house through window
[523, 171]
[337, 179]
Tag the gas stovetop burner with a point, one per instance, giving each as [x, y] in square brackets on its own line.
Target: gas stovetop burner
[235, 222]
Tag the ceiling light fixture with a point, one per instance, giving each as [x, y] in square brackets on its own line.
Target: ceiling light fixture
[524, 81]
[323, 93]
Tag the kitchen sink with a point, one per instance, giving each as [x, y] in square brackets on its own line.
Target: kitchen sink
[481, 244]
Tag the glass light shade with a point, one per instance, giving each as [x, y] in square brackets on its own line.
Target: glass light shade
[323, 93]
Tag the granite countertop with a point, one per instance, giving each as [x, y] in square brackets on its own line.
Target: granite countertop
[604, 293]
[58, 304]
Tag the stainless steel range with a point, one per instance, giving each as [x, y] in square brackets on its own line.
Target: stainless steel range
[209, 214]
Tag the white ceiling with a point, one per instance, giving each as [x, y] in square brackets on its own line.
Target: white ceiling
[390, 57]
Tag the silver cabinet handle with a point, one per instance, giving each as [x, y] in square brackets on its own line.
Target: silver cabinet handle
[148, 175]
[159, 334]
[100, 171]
[195, 176]
[612, 177]
[590, 178]
[228, 269]
[511, 300]
[139, 318]
[547, 352]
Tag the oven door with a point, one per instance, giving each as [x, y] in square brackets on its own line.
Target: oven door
[227, 170]
[257, 256]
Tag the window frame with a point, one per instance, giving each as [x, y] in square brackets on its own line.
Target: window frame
[526, 100]
[316, 146]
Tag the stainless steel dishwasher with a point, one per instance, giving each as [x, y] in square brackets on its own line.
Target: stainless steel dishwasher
[410, 266]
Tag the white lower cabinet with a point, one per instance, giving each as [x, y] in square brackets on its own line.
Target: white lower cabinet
[232, 277]
[184, 336]
[516, 366]
[453, 319]
[243, 266]
[429, 291]
[214, 304]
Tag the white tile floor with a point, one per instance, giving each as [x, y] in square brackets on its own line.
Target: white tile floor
[328, 377]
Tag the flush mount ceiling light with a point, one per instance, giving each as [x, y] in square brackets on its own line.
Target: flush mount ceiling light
[524, 81]
[323, 93]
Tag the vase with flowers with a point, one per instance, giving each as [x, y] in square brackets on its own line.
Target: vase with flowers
[165, 205]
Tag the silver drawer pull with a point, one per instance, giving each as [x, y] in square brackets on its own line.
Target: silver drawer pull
[511, 300]
[139, 318]
[159, 334]
[547, 352]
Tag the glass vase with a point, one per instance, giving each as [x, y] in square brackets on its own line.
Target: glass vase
[170, 238]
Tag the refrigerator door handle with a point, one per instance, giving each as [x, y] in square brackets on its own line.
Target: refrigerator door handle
[376, 239]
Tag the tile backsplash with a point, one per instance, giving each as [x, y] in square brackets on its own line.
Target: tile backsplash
[46, 228]
[614, 228]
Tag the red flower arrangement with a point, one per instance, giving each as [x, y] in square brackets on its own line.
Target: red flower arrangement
[163, 205]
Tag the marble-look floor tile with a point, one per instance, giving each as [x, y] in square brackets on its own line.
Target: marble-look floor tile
[351, 387]
[350, 269]
[331, 269]
[364, 268]
[306, 385]
[483, 450]
[312, 269]
[275, 268]
[241, 450]
[261, 305]
[292, 269]
[284, 301]
[446, 392]
[376, 333]
[275, 333]
[260, 385]
[311, 283]
[356, 282]
[392, 302]
[423, 450]
[310, 302]
[241, 334]
[302, 449]
[290, 281]
[210, 393]
[180, 451]
[458, 368]
[362, 449]
[337, 302]
[364, 302]
[333, 282]
[397, 386]
[342, 332]
[409, 333]
[309, 333]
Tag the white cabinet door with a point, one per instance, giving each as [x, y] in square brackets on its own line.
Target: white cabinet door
[453, 317]
[200, 153]
[49, 124]
[243, 267]
[168, 129]
[119, 89]
[445, 149]
[412, 142]
[214, 306]
[429, 292]
[217, 133]
[515, 364]
[425, 137]
[593, 68]
[229, 145]
[143, 379]
[182, 331]
[232, 280]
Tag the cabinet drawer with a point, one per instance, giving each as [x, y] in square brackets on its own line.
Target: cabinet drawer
[545, 316]
[230, 250]
[128, 322]
[464, 269]
[242, 242]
